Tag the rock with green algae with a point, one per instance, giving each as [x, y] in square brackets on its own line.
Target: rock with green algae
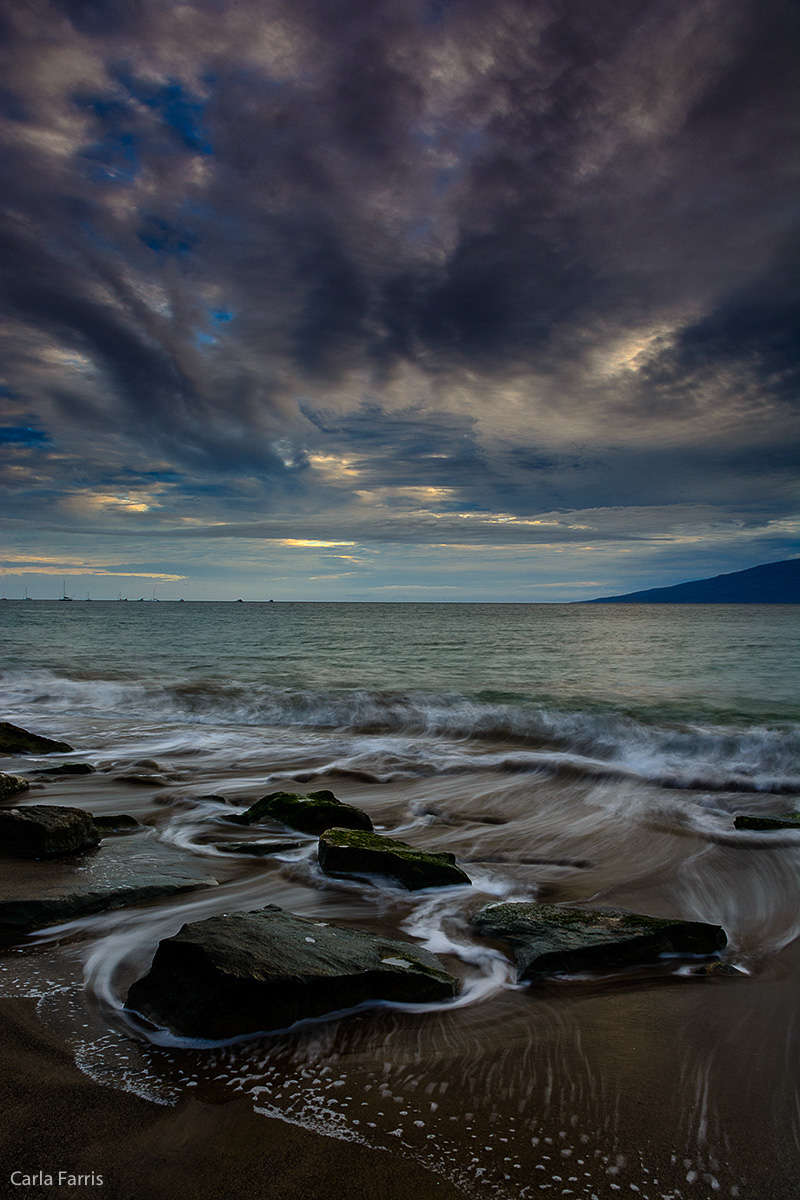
[46, 831]
[346, 852]
[312, 813]
[262, 971]
[14, 740]
[789, 820]
[547, 939]
[12, 785]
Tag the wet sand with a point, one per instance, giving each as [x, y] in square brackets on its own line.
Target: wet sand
[56, 1118]
[602, 1080]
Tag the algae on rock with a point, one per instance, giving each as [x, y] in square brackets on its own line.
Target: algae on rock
[12, 785]
[547, 939]
[351, 852]
[312, 813]
[789, 820]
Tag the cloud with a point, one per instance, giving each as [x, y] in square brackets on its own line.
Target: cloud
[384, 269]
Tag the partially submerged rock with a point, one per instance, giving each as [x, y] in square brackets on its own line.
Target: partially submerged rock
[68, 769]
[117, 823]
[142, 780]
[260, 849]
[46, 831]
[11, 785]
[262, 971]
[36, 895]
[547, 939]
[14, 740]
[313, 813]
[718, 968]
[351, 852]
[750, 821]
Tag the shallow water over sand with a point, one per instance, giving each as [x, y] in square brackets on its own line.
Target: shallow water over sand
[566, 753]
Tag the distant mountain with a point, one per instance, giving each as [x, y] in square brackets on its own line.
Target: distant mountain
[772, 583]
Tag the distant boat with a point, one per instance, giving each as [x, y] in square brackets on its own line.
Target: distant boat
[64, 595]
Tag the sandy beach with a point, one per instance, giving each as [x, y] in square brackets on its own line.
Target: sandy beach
[217, 1148]
[55, 1118]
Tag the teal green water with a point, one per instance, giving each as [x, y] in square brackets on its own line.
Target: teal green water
[737, 662]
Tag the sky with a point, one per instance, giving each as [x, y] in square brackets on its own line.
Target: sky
[396, 300]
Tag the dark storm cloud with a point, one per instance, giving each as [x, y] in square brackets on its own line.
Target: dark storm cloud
[239, 235]
[756, 328]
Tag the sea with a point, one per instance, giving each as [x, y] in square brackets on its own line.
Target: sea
[593, 755]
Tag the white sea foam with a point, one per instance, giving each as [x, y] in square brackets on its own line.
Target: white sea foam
[382, 736]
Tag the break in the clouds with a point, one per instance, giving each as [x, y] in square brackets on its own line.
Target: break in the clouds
[397, 299]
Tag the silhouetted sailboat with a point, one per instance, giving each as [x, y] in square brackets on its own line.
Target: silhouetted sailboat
[64, 595]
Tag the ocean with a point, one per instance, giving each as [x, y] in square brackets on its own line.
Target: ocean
[580, 754]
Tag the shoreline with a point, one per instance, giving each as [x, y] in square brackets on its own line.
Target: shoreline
[57, 1118]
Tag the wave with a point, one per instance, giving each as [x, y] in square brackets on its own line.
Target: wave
[593, 742]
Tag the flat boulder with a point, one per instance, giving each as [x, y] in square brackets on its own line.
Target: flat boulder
[260, 849]
[312, 813]
[12, 785]
[14, 740]
[547, 939]
[46, 831]
[34, 895]
[262, 971]
[750, 821]
[68, 769]
[117, 823]
[346, 852]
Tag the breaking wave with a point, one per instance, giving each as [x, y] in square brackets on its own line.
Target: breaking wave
[590, 741]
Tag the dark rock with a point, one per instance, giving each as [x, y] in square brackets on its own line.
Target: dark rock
[313, 813]
[718, 968]
[784, 821]
[547, 939]
[11, 785]
[117, 823]
[35, 895]
[68, 769]
[260, 971]
[260, 849]
[351, 852]
[14, 740]
[143, 780]
[46, 831]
